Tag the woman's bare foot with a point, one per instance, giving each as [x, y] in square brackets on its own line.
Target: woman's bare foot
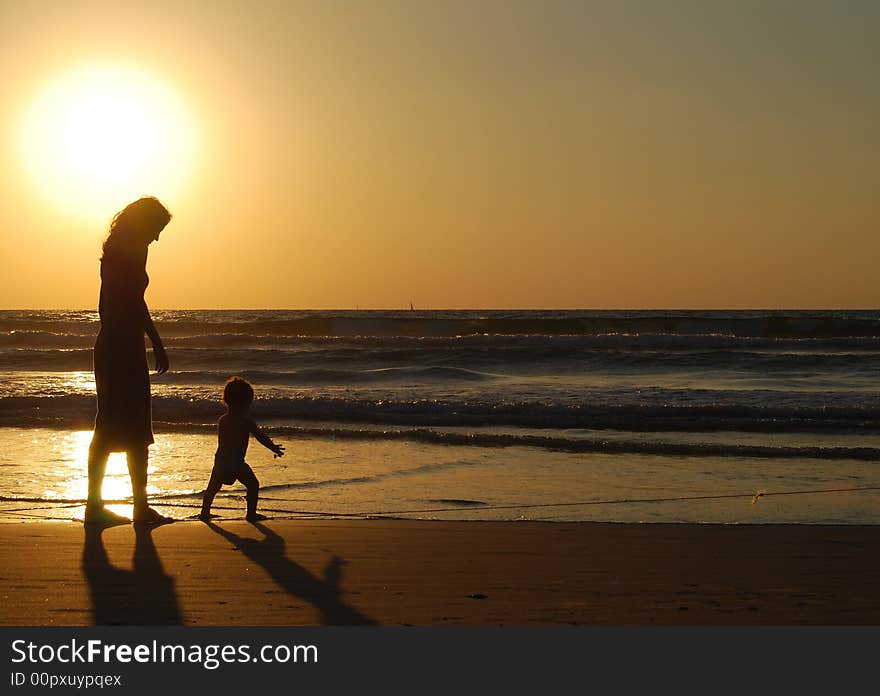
[255, 517]
[205, 516]
[102, 516]
[149, 516]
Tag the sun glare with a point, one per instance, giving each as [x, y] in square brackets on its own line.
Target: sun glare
[98, 137]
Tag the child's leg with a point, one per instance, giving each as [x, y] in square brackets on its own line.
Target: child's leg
[249, 479]
[214, 486]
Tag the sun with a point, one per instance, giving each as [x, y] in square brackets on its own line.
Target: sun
[98, 137]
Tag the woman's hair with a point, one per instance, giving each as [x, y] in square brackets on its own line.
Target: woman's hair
[134, 222]
[238, 392]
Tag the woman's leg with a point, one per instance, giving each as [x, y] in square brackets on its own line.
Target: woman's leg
[137, 469]
[138, 460]
[98, 454]
[95, 511]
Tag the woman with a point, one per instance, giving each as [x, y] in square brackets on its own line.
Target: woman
[123, 422]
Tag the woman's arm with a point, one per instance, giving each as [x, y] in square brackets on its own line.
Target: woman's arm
[156, 340]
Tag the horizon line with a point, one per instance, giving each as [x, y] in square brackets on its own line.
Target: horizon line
[461, 309]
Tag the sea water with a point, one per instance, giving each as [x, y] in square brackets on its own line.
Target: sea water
[637, 416]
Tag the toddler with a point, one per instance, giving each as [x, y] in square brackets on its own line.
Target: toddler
[233, 434]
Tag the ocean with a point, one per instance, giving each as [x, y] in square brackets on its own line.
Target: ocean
[618, 416]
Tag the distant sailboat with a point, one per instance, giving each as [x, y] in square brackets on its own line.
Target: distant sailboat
[411, 308]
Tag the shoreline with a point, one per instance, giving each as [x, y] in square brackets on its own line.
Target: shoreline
[428, 572]
[66, 521]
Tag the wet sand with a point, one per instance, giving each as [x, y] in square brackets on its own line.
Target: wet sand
[393, 572]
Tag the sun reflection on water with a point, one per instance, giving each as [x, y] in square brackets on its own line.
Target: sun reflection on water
[77, 382]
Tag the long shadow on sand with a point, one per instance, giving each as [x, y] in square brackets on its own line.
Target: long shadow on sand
[323, 594]
[142, 596]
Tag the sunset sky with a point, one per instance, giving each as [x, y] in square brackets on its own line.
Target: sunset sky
[457, 155]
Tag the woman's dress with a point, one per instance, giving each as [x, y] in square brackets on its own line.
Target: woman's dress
[124, 419]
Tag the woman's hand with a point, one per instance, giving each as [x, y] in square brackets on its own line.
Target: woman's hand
[158, 348]
[161, 359]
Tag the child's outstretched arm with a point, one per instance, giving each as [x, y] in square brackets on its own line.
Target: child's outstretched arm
[265, 440]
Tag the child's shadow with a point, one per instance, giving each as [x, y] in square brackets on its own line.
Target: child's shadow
[296, 580]
[142, 596]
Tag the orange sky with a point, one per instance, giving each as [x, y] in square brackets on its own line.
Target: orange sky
[456, 155]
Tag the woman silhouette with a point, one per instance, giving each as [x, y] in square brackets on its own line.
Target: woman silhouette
[123, 422]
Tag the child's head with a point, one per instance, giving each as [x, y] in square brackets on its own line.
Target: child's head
[238, 393]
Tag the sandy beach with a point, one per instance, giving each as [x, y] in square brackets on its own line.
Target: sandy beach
[395, 572]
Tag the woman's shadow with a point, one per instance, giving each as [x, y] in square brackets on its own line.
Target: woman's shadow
[323, 594]
[143, 595]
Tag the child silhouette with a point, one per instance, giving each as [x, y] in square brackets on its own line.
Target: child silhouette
[233, 434]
